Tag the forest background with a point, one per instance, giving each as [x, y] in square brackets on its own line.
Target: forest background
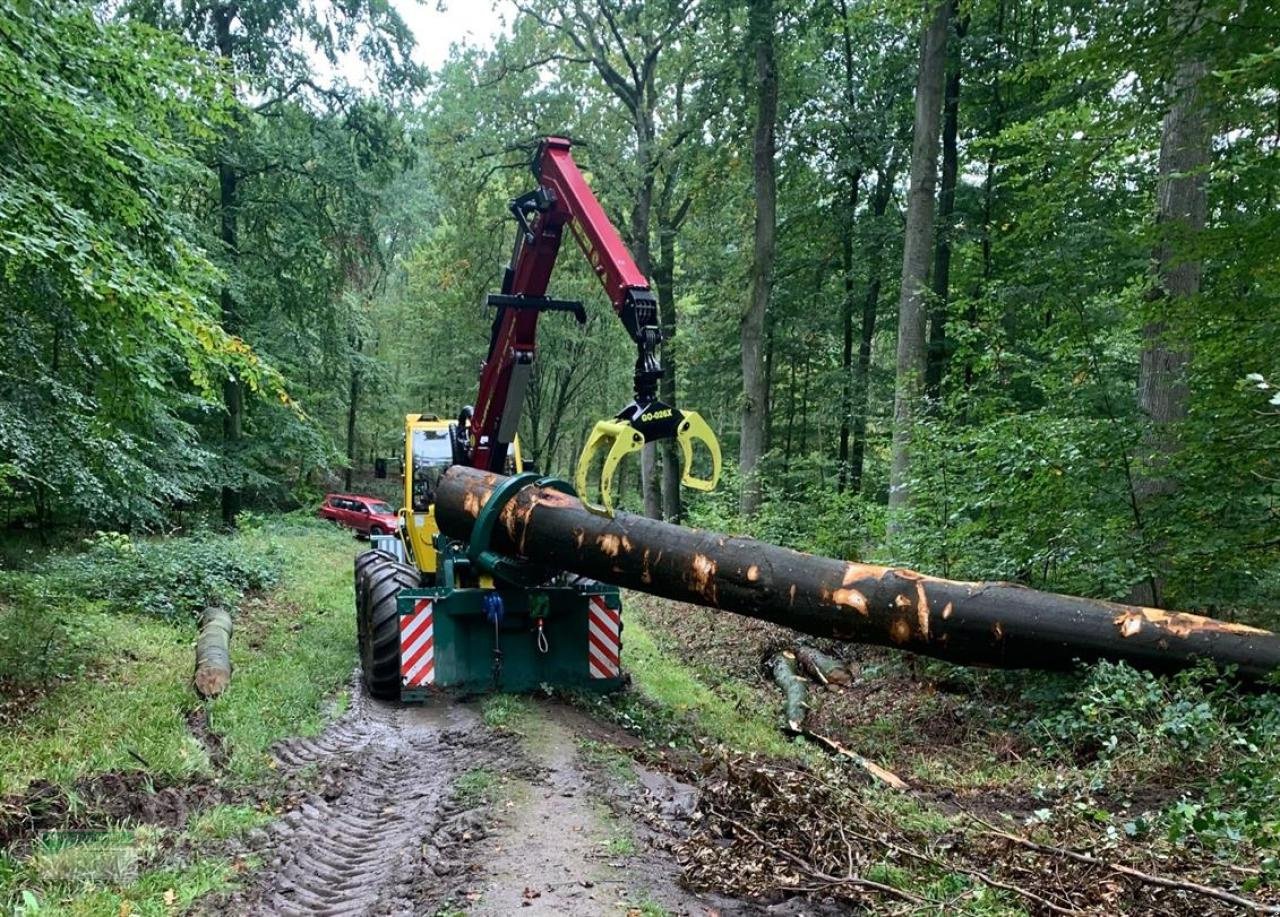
[986, 288]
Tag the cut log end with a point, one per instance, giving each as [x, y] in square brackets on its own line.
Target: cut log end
[213, 653]
[823, 668]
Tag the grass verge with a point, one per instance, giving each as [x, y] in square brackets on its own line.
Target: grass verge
[725, 712]
[107, 691]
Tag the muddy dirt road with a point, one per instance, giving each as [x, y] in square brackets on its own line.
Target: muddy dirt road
[426, 810]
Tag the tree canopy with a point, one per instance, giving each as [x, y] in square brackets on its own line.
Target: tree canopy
[198, 221]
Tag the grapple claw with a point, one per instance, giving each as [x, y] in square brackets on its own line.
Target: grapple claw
[693, 429]
[629, 432]
[616, 439]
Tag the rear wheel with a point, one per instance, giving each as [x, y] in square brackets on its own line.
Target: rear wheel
[380, 634]
[365, 562]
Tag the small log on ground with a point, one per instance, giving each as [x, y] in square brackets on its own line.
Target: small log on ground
[213, 653]
[990, 624]
[795, 692]
[822, 667]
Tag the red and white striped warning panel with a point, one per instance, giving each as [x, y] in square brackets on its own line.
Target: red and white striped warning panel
[417, 646]
[604, 639]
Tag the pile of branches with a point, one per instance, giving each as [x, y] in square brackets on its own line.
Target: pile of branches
[768, 830]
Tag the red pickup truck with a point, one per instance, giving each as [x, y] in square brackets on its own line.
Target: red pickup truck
[367, 515]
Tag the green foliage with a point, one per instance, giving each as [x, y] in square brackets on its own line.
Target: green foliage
[171, 578]
[506, 712]
[111, 352]
[1221, 742]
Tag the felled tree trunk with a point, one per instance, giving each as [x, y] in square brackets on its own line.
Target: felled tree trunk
[822, 667]
[213, 653]
[989, 624]
[795, 692]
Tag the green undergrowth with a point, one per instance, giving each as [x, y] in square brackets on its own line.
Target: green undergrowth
[506, 712]
[671, 702]
[95, 677]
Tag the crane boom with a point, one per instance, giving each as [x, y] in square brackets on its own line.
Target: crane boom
[563, 198]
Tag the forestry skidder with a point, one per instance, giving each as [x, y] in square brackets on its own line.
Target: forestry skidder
[435, 612]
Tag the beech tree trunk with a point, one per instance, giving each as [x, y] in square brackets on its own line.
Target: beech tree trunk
[870, 308]
[917, 244]
[847, 224]
[755, 402]
[939, 346]
[1182, 201]
[232, 392]
[990, 624]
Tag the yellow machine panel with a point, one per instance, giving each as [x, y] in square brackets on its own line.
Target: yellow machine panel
[428, 453]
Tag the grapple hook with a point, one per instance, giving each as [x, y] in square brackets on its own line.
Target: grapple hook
[613, 440]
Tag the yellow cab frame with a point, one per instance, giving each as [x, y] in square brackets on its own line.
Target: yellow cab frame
[428, 452]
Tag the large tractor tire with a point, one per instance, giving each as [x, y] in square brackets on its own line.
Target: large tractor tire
[380, 633]
[365, 562]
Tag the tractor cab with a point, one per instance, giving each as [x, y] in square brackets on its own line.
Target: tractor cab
[428, 453]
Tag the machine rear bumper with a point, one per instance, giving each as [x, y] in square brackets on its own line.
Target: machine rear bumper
[448, 639]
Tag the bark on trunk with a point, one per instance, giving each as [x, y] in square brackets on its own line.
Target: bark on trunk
[755, 403]
[846, 328]
[213, 653]
[870, 308]
[232, 393]
[846, 259]
[939, 347]
[650, 481]
[917, 243]
[989, 624]
[1182, 201]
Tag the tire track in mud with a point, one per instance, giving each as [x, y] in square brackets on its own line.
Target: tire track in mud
[385, 812]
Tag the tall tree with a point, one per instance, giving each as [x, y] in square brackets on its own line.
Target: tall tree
[917, 244]
[1182, 205]
[880, 198]
[940, 281]
[264, 46]
[755, 403]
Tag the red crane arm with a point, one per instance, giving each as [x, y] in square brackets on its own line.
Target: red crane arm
[562, 198]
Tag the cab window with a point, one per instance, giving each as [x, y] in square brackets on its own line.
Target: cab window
[432, 454]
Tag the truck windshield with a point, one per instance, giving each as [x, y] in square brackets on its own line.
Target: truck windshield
[432, 454]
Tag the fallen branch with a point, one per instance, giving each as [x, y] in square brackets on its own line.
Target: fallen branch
[796, 705]
[1209, 891]
[875, 770]
[795, 692]
[213, 653]
[810, 871]
[822, 667]
[972, 873]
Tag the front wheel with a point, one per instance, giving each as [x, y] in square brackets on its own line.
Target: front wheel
[380, 635]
